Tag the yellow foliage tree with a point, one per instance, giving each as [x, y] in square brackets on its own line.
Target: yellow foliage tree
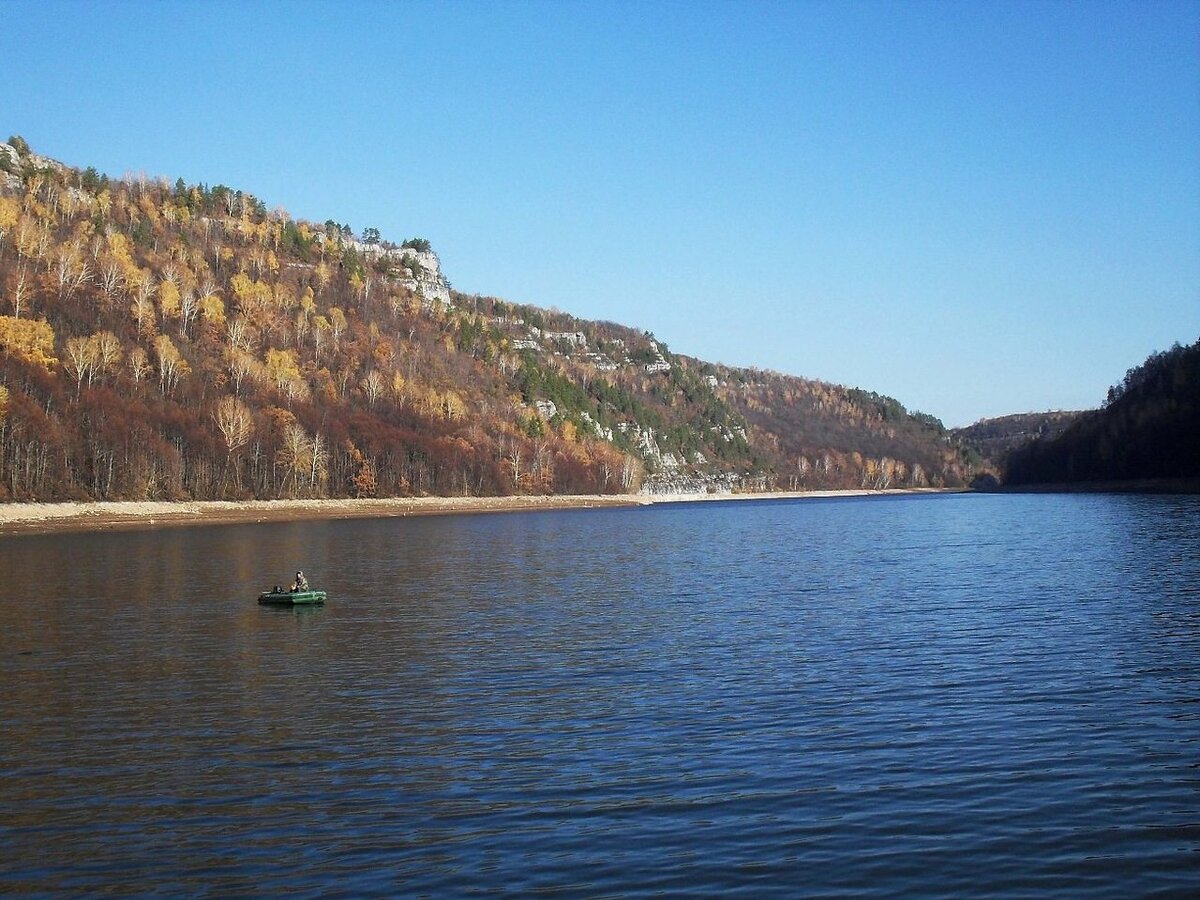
[321, 328]
[212, 308]
[337, 323]
[284, 372]
[29, 340]
[399, 387]
[282, 366]
[10, 212]
[251, 295]
[119, 252]
[168, 300]
[453, 407]
[323, 273]
[171, 364]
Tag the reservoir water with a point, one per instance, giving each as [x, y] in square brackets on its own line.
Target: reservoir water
[932, 696]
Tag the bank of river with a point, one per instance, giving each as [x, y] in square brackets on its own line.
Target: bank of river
[41, 518]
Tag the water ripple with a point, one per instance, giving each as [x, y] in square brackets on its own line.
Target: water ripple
[936, 696]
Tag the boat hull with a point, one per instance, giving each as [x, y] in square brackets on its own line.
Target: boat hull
[292, 598]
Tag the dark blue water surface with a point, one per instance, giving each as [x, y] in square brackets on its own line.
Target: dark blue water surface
[938, 695]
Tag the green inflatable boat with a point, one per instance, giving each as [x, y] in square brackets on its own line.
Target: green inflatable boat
[292, 598]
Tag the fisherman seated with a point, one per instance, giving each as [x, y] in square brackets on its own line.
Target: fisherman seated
[300, 584]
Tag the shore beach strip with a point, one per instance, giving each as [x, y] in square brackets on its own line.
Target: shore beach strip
[42, 518]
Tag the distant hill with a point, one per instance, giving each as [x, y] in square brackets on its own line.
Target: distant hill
[994, 439]
[1148, 429]
[821, 434]
[162, 339]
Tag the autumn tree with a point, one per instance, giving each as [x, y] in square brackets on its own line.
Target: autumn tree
[372, 385]
[141, 305]
[303, 458]
[138, 364]
[241, 364]
[171, 364]
[71, 270]
[337, 324]
[252, 297]
[239, 335]
[80, 358]
[284, 372]
[320, 328]
[10, 213]
[212, 309]
[236, 424]
[169, 296]
[20, 289]
[364, 481]
[31, 341]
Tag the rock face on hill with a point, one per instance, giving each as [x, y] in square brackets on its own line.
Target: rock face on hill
[419, 270]
[12, 164]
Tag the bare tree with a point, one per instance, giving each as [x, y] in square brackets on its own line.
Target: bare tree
[139, 364]
[108, 352]
[20, 292]
[81, 358]
[238, 335]
[235, 422]
[189, 307]
[372, 385]
[318, 460]
[111, 278]
[71, 270]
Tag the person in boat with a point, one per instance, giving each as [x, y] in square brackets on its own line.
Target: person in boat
[300, 584]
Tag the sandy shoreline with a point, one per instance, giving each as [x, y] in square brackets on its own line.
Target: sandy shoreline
[41, 518]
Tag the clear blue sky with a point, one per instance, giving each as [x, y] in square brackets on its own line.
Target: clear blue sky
[977, 208]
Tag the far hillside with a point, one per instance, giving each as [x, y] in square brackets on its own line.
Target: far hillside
[994, 439]
[824, 435]
[1148, 429]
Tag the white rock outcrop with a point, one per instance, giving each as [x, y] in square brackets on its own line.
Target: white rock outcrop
[428, 280]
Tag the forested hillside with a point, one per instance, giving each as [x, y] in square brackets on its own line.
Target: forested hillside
[1148, 429]
[825, 435]
[994, 439]
[162, 339]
